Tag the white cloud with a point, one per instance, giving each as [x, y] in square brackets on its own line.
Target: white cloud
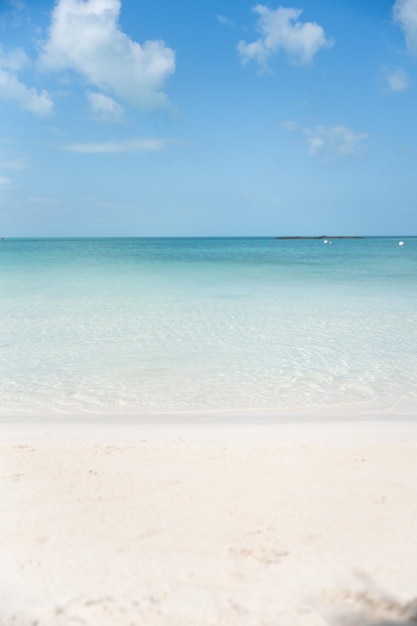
[84, 36]
[4, 181]
[104, 107]
[28, 98]
[397, 79]
[127, 145]
[280, 29]
[405, 13]
[331, 142]
[12, 89]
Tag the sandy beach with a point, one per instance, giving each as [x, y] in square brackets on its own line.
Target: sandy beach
[208, 524]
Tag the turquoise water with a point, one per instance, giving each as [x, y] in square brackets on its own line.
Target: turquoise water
[139, 327]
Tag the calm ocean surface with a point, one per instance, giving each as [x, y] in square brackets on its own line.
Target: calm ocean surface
[138, 327]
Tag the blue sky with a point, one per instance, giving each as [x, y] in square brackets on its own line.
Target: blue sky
[123, 117]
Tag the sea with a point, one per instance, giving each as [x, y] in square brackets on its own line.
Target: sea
[208, 329]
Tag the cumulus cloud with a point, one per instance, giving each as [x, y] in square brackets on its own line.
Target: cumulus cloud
[13, 90]
[397, 80]
[405, 14]
[281, 30]
[331, 142]
[84, 36]
[104, 107]
[29, 99]
[127, 145]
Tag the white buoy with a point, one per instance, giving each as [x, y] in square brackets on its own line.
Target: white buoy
[325, 241]
[401, 243]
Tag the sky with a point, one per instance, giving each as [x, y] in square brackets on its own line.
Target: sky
[220, 118]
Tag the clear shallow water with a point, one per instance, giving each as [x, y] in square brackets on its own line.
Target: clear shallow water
[130, 327]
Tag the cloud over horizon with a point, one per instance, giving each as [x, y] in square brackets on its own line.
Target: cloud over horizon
[281, 30]
[85, 37]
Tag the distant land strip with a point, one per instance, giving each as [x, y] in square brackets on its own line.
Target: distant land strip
[324, 237]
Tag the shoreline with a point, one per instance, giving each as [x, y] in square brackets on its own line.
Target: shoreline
[302, 524]
[285, 415]
[246, 434]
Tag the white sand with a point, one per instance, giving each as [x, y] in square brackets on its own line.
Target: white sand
[182, 525]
